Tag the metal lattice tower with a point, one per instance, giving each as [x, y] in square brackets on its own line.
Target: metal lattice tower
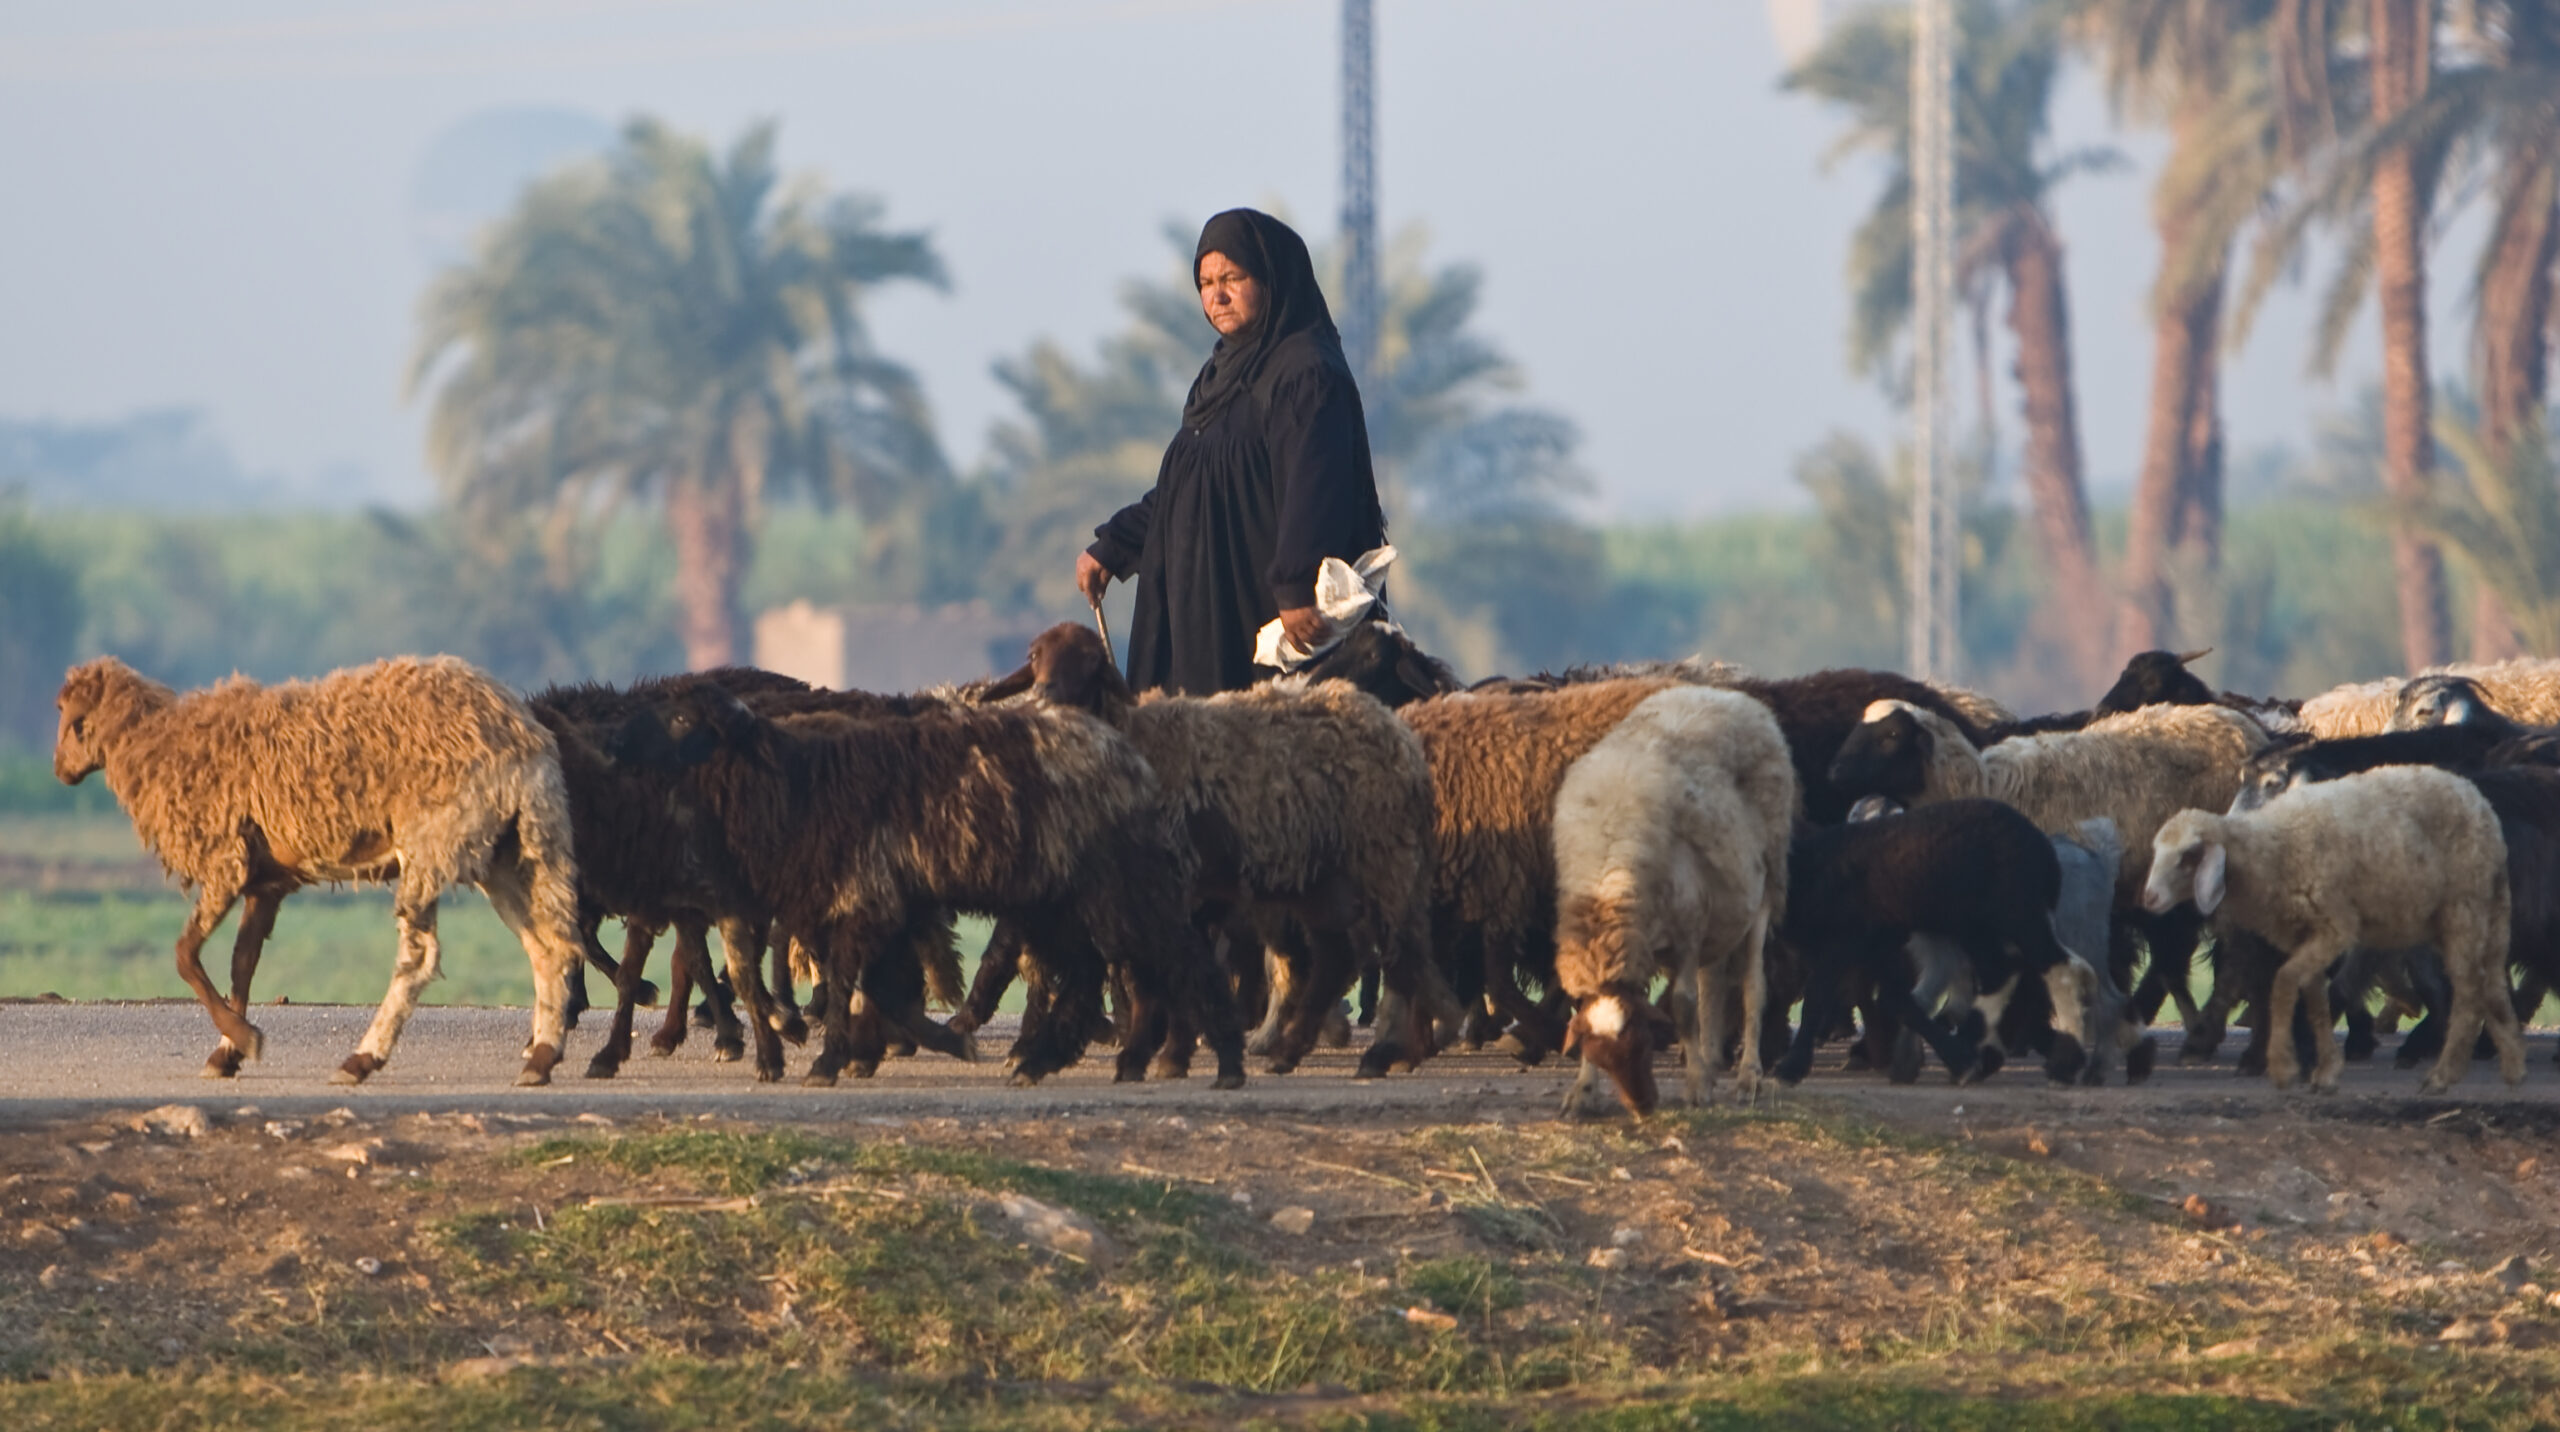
[1359, 317]
[1935, 554]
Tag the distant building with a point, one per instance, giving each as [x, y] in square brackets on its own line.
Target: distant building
[890, 648]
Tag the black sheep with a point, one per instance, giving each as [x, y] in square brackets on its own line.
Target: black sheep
[1975, 872]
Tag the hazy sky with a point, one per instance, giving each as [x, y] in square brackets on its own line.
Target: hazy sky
[220, 204]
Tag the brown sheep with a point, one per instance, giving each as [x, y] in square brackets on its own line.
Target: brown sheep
[1497, 762]
[1309, 801]
[419, 773]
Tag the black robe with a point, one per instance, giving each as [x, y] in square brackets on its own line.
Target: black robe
[1242, 513]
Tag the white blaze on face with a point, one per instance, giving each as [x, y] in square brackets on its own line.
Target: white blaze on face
[1606, 1016]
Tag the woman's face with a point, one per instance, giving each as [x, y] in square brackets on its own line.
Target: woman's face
[1228, 295]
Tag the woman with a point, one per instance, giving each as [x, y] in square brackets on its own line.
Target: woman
[1268, 477]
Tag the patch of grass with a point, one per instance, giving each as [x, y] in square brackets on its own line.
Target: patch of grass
[1464, 1285]
[683, 1393]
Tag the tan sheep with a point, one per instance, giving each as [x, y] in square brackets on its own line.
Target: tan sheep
[2389, 858]
[417, 772]
[2525, 689]
[1671, 860]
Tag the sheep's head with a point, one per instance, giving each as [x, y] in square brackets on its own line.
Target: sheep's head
[1614, 1032]
[2269, 774]
[1383, 662]
[2157, 678]
[2187, 863]
[79, 746]
[683, 733]
[1887, 755]
[2443, 701]
[1069, 666]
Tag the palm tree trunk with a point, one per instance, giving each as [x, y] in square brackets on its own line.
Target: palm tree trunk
[2040, 319]
[2513, 344]
[707, 520]
[2185, 328]
[2401, 38]
[2198, 530]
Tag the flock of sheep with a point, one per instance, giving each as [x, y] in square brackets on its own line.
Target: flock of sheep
[1598, 862]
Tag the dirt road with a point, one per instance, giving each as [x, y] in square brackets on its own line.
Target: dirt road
[61, 1060]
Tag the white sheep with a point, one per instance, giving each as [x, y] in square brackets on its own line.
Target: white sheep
[2390, 857]
[1671, 859]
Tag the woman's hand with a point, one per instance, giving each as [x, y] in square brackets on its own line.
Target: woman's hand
[1092, 578]
[1305, 626]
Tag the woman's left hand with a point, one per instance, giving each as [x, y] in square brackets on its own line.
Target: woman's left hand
[1305, 626]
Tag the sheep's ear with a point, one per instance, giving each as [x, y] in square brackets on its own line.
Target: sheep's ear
[1009, 686]
[2211, 867]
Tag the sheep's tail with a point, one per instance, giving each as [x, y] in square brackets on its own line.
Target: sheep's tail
[550, 855]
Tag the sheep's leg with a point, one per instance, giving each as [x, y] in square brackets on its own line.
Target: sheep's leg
[2481, 998]
[1281, 981]
[2310, 961]
[239, 1036]
[744, 942]
[637, 938]
[689, 966]
[1066, 977]
[1332, 966]
[998, 966]
[1533, 1035]
[851, 1037]
[1702, 1030]
[1412, 987]
[257, 922]
[1755, 1009]
[1958, 1053]
[2324, 1036]
[783, 998]
[1821, 1006]
[420, 957]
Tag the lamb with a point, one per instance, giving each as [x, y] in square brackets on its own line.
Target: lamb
[2391, 857]
[1497, 763]
[417, 772]
[1381, 661]
[2524, 689]
[2089, 855]
[1973, 871]
[1305, 801]
[856, 831]
[1671, 859]
[2136, 769]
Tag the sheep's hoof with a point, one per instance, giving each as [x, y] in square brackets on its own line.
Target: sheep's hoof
[728, 1051]
[1024, 1080]
[863, 1068]
[1279, 1066]
[603, 1066]
[2139, 1060]
[963, 1024]
[1262, 1041]
[766, 1075]
[1337, 1027]
[1858, 1060]
[818, 1079]
[224, 1063]
[1907, 1056]
[646, 996]
[703, 1017]
[1228, 1079]
[358, 1068]
[902, 1049]
[1791, 1073]
[1170, 1069]
[2064, 1062]
[2193, 1050]
[793, 1028]
[2432, 1086]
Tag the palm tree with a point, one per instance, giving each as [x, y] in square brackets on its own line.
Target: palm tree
[2501, 513]
[2200, 66]
[669, 324]
[2006, 62]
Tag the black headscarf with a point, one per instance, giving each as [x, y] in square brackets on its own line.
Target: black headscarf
[1273, 253]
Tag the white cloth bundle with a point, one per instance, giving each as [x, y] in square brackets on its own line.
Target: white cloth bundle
[1345, 592]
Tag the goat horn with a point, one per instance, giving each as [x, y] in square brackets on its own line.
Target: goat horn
[2202, 651]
